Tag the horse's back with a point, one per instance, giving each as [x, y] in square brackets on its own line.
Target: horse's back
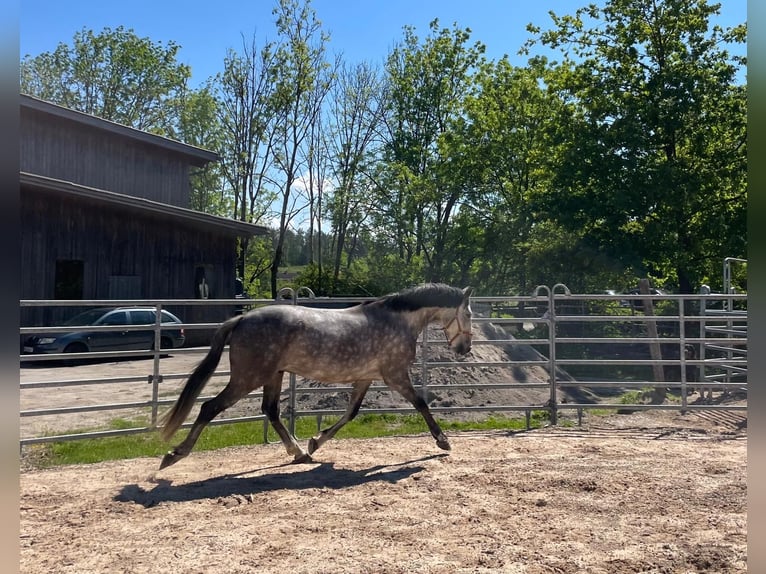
[281, 326]
[324, 344]
[297, 316]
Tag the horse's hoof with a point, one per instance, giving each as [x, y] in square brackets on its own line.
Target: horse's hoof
[303, 459]
[313, 445]
[170, 458]
[443, 444]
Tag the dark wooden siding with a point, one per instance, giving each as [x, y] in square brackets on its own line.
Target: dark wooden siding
[67, 150]
[119, 247]
[112, 249]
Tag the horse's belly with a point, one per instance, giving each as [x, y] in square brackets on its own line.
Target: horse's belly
[335, 371]
[353, 356]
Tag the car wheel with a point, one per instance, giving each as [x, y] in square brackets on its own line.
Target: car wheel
[75, 348]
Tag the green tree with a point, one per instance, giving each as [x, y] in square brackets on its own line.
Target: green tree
[244, 91]
[654, 169]
[113, 74]
[301, 81]
[427, 83]
[355, 112]
[505, 140]
[199, 125]
[316, 183]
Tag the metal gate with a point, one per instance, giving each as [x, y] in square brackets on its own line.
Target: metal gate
[589, 346]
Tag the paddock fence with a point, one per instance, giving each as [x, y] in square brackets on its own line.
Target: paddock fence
[603, 351]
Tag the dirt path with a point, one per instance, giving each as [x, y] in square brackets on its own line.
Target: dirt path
[648, 492]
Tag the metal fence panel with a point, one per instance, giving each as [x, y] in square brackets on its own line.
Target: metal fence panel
[567, 334]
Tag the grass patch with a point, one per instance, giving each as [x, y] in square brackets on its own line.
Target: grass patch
[88, 451]
[634, 397]
[639, 396]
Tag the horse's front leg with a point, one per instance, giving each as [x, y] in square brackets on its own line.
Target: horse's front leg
[401, 382]
[355, 401]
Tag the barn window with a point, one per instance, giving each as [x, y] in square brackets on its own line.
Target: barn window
[69, 279]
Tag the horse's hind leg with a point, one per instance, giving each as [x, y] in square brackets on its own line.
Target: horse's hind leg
[210, 409]
[270, 407]
[357, 395]
[401, 383]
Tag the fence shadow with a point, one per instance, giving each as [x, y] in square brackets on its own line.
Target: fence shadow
[319, 475]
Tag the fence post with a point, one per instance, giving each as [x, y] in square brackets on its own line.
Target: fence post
[156, 377]
[552, 331]
[682, 350]
[551, 351]
[424, 366]
[704, 290]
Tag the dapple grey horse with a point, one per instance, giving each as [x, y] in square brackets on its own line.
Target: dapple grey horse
[374, 340]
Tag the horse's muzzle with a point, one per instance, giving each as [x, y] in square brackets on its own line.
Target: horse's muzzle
[462, 347]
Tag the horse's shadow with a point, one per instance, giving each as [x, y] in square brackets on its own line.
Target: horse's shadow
[319, 475]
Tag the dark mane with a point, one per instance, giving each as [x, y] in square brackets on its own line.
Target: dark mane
[427, 295]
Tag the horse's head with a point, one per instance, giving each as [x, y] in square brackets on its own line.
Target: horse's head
[457, 325]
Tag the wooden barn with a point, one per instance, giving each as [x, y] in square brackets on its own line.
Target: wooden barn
[105, 215]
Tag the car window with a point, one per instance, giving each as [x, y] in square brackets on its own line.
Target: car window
[168, 318]
[116, 318]
[86, 318]
[142, 317]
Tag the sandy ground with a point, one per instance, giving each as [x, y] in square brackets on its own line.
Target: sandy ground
[652, 492]
[649, 492]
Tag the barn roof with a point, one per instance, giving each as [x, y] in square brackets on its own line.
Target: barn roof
[146, 206]
[197, 156]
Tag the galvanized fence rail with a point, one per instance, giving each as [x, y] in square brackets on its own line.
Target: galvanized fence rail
[594, 344]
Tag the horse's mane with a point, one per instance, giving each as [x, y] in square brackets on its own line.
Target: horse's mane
[414, 298]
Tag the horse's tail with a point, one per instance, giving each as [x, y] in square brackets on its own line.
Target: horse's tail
[174, 418]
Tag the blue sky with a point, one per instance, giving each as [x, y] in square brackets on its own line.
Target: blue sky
[361, 30]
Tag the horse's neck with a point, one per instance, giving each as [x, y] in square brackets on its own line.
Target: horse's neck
[421, 318]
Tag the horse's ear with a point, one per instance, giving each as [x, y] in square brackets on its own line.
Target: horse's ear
[467, 293]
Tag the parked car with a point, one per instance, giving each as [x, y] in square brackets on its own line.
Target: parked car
[82, 340]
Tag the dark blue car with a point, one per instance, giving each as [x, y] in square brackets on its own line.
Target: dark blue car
[82, 340]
